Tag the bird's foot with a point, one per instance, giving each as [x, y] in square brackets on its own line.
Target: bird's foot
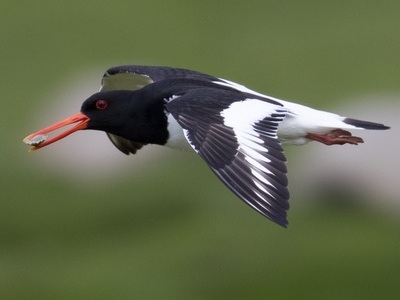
[335, 137]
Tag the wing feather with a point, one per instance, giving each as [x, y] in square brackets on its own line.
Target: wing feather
[245, 153]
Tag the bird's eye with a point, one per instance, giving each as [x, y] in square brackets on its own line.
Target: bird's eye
[101, 104]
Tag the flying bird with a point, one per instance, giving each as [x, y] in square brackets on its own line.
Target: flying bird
[238, 132]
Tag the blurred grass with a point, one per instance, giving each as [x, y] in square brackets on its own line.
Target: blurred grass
[173, 231]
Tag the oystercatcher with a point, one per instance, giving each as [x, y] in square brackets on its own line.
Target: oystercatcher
[237, 131]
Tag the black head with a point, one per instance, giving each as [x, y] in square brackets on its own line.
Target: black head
[130, 114]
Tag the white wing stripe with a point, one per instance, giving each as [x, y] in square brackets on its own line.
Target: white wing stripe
[242, 114]
[248, 143]
[266, 201]
[265, 191]
[250, 136]
[253, 153]
[258, 165]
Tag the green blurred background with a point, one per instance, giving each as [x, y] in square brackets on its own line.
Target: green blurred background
[165, 227]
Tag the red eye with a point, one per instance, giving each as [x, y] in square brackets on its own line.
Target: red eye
[101, 104]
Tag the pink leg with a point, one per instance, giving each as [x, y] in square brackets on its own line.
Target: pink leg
[337, 136]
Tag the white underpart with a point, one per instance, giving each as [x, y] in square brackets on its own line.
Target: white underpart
[300, 119]
[177, 135]
[241, 117]
[177, 139]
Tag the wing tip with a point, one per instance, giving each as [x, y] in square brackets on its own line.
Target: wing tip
[284, 225]
[281, 221]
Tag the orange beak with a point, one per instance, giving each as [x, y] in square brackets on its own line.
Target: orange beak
[38, 139]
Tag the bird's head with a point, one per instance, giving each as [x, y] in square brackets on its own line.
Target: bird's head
[124, 113]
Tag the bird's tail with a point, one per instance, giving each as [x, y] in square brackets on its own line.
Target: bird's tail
[365, 124]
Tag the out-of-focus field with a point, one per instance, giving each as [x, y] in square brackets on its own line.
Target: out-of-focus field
[79, 220]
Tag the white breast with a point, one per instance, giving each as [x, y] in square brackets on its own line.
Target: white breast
[176, 139]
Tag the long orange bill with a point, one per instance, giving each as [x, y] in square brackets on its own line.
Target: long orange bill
[39, 139]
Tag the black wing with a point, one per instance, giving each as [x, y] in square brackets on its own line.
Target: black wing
[237, 138]
[151, 73]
